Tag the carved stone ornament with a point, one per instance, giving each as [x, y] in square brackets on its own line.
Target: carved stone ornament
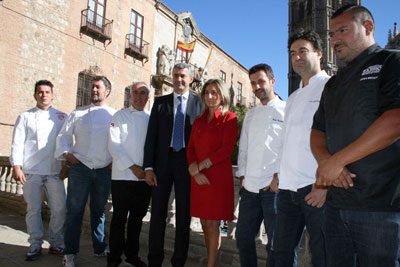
[93, 71]
[165, 60]
[187, 29]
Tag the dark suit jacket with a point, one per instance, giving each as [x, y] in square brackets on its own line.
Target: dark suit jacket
[159, 131]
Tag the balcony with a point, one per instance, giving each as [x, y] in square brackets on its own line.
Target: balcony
[136, 47]
[96, 26]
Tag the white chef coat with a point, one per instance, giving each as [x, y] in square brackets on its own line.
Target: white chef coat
[260, 143]
[89, 127]
[297, 163]
[34, 141]
[126, 142]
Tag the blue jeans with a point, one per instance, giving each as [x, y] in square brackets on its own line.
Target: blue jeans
[293, 215]
[83, 181]
[362, 238]
[253, 208]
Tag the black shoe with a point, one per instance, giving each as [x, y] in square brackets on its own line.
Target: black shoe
[33, 254]
[136, 262]
[59, 251]
[112, 262]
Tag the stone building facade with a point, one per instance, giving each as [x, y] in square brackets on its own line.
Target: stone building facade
[393, 39]
[68, 42]
[314, 15]
[209, 60]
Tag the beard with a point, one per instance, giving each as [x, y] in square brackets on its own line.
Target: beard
[261, 94]
[96, 99]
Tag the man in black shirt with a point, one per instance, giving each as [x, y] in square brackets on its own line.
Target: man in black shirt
[355, 139]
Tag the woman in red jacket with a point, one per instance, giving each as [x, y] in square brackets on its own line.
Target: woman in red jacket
[211, 143]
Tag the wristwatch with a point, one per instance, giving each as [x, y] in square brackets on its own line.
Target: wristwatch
[207, 163]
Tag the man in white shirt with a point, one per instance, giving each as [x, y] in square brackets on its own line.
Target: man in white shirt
[82, 142]
[300, 203]
[130, 193]
[258, 154]
[34, 165]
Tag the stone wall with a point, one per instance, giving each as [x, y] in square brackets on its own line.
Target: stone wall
[40, 39]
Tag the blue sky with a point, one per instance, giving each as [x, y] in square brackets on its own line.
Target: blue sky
[256, 31]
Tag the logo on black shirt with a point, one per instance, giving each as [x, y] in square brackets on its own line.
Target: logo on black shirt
[371, 70]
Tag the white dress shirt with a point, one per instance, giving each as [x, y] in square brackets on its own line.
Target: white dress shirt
[297, 163]
[126, 142]
[176, 104]
[34, 141]
[260, 143]
[88, 126]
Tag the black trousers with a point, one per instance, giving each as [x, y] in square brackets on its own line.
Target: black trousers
[131, 197]
[176, 174]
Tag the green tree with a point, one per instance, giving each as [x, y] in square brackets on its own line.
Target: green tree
[240, 111]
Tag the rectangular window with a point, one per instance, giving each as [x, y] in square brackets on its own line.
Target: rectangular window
[83, 92]
[97, 11]
[127, 97]
[222, 76]
[239, 93]
[136, 29]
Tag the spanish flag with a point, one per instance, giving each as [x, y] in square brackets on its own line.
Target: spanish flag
[186, 47]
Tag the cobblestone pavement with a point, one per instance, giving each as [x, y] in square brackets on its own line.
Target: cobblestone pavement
[14, 245]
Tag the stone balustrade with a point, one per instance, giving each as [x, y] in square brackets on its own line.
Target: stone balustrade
[7, 182]
[10, 190]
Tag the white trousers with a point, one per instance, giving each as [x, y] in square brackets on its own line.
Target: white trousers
[55, 192]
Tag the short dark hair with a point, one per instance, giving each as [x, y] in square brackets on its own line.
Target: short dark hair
[182, 65]
[107, 83]
[310, 36]
[359, 13]
[264, 67]
[43, 82]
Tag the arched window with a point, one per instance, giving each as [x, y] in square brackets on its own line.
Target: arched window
[85, 79]
[84, 86]
[127, 96]
[309, 7]
[301, 11]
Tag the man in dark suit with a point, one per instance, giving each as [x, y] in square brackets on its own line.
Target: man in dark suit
[165, 163]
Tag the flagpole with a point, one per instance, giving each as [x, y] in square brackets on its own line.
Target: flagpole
[205, 66]
[190, 56]
[176, 52]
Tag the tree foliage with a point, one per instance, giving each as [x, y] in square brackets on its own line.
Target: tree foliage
[240, 111]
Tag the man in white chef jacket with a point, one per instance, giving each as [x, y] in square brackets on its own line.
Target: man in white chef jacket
[300, 203]
[130, 193]
[34, 165]
[258, 154]
[82, 142]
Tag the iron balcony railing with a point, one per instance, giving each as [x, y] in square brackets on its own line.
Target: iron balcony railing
[136, 47]
[96, 26]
